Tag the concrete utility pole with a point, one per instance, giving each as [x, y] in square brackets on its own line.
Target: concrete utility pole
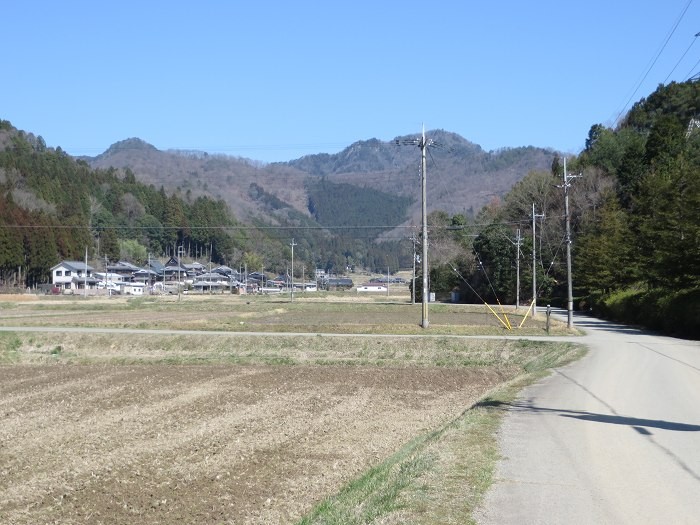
[535, 216]
[413, 280]
[569, 284]
[180, 250]
[291, 277]
[424, 217]
[423, 144]
[86, 274]
[518, 242]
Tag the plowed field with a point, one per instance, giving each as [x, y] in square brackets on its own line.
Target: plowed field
[156, 443]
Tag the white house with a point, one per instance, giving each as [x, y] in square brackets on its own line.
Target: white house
[126, 288]
[73, 275]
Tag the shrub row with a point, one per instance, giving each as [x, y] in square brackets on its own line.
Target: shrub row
[674, 313]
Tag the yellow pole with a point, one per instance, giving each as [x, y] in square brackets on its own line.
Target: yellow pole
[497, 316]
[510, 327]
[526, 314]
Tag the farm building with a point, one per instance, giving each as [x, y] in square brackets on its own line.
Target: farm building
[372, 287]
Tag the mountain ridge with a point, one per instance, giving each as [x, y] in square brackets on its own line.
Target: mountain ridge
[461, 176]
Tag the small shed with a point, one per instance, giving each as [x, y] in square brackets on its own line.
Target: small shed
[372, 287]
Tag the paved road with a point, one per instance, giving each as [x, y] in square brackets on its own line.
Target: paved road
[613, 438]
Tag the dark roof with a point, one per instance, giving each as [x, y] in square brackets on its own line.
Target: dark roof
[73, 265]
[156, 265]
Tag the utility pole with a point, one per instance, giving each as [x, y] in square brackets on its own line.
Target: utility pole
[291, 277]
[413, 281]
[518, 242]
[387, 281]
[569, 284]
[180, 250]
[423, 144]
[534, 259]
[86, 274]
[424, 219]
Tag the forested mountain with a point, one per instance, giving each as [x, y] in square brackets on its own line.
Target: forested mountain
[461, 176]
[54, 207]
[635, 215]
[134, 199]
[635, 211]
[370, 183]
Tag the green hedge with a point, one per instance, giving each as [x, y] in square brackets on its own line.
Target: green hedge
[674, 313]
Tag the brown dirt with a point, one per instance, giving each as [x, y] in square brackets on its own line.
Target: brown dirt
[158, 443]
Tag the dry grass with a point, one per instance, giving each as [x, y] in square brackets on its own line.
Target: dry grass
[316, 313]
[222, 426]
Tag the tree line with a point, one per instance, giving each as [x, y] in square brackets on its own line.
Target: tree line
[635, 216]
[54, 207]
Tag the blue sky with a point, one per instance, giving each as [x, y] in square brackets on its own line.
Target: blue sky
[277, 80]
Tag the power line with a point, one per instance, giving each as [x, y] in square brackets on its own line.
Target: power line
[690, 73]
[682, 56]
[653, 62]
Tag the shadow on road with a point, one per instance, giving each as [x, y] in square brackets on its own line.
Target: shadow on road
[586, 321]
[613, 327]
[641, 426]
[633, 422]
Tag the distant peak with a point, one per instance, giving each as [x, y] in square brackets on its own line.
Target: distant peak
[130, 144]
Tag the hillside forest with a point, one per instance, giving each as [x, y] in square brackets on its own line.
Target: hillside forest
[634, 209]
[635, 220]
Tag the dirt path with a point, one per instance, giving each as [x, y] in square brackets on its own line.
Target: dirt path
[206, 443]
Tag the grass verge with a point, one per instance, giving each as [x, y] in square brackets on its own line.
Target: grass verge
[441, 476]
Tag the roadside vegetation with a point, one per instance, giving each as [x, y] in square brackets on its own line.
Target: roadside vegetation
[440, 476]
[635, 219]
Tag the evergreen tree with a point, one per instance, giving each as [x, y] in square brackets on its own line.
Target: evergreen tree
[604, 255]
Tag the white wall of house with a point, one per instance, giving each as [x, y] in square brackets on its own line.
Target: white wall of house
[67, 274]
[132, 288]
[372, 288]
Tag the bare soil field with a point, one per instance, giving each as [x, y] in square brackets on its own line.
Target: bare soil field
[206, 444]
[131, 428]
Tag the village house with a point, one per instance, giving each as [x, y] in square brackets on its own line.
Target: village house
[72, 275]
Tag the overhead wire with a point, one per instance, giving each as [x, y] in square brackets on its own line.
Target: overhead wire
[690, 73]
[682, 57]
[656, 58]
[483, 268]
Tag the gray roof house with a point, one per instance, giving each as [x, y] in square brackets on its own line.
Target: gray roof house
[73, 275]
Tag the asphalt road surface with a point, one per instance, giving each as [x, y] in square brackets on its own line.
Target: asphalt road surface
[613, 438]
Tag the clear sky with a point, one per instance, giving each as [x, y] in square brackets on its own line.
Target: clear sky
[275, 80]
